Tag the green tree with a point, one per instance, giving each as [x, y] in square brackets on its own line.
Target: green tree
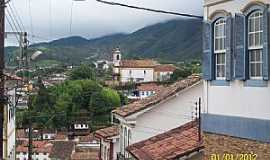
[181, 73]
[83, 72]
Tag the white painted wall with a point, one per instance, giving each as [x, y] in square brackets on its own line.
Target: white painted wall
[163, 117]
[162, 76]
[167, 116]
[137, 73]
[106, 145]
[39, 156]
[81, 126]
[48, 136]
[236, 100]
[11, 125]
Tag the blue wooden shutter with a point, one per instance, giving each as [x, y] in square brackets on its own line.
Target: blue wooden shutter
[207, 51]
[266, 49]
[240, 47]
[229, 47]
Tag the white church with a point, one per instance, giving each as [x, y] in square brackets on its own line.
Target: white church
[139, 71]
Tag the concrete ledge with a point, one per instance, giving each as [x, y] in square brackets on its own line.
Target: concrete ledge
[249, 128]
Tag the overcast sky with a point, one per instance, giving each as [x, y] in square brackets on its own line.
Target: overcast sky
[92, 19]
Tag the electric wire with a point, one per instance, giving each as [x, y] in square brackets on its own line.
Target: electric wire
[148, 9]
[12, 14]
[16, 26]
[30, 19]
[71, 17]
[18, 15]
[12, 28]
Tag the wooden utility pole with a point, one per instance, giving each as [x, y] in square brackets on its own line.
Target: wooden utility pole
[2, 77]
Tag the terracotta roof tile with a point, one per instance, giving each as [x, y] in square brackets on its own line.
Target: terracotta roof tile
[150, 87]
[87, 138]
[20, 133]
[167, 145]
[161, 96]
[138, 63]
[85, 156]
[107, 132]
[165, 68]
[62, 150]
[38, 147]
[61, 136]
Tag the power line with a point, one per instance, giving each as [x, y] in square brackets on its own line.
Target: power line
[12, 13]
[18, 15]
[148, 9]
[71, 17]
[16, 25]
[30, 18]
[12, 28]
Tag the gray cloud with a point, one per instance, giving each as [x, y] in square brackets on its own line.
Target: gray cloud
[92, 19]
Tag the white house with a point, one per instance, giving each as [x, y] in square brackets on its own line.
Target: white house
[48, 134]
[236, 69]
[163, 72]
[145, 90]
[169, 109]
[41, 150]
[109, 143]
[139, 70]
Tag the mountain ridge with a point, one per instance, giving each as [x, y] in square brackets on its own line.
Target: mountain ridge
[174, 40]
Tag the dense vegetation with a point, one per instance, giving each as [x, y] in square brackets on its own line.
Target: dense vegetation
[61, 105]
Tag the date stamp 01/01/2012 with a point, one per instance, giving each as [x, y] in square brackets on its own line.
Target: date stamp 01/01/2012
[228, 156]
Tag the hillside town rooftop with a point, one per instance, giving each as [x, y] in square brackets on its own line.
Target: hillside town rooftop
[173, 144]
[107, 132]
[165, 68]
[137, 63]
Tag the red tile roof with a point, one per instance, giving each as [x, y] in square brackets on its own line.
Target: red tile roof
[62, 150]
[61, 136]
[170, 145]
[165, 68]
[160, 97]
[38, 147]
[85, 155]
[87, 138]
[138, 63]
[21, 133]
[150, 87]
[107, 132]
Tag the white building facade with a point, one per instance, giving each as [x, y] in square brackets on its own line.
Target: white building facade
[139, 71]
[236, 68]
[168, 113]
[9, 144]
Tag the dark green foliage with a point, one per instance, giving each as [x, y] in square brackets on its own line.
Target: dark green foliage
[60, 105]
[186, 69]
[104, 101]
[83, 72]
[180, 74]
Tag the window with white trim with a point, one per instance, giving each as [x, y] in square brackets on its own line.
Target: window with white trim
[255, 44]
[219, 48]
